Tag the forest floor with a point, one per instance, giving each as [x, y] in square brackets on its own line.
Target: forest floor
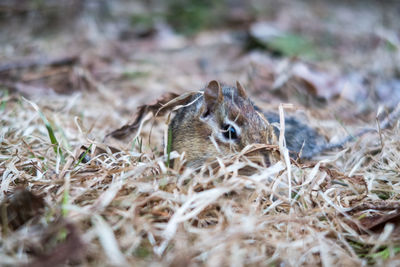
[69, 78]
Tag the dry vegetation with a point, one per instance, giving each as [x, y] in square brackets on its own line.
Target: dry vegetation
[71, 196]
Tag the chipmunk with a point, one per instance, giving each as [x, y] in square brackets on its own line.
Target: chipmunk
[221, 120]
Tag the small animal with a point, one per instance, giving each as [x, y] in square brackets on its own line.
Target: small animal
[221, 120]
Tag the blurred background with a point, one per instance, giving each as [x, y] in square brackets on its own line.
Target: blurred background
[306, 52]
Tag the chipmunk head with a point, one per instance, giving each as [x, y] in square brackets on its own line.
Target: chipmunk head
[221, 122]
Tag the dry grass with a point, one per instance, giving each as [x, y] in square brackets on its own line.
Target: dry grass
[129, 208]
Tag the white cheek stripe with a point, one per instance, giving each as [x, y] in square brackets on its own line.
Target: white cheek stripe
[237, 129]
[217, 132]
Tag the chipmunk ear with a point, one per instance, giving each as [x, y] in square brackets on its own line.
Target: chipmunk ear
[213, 95]
[241, 90]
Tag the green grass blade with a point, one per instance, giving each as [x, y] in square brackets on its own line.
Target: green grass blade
[50, 131]
[4, 102]
[65, 198]
[84, 155]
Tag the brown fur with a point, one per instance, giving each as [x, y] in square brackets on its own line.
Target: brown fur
[194, 126]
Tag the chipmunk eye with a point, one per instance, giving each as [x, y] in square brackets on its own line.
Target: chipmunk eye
[229, 132]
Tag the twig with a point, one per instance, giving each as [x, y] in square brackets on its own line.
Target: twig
[32, 63]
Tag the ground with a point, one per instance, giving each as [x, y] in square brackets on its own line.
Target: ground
[72, 72]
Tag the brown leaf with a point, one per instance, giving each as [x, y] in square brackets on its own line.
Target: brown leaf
[377, 205]
[71, 249]
[166, 103]
[309, 84]
[377, 219]
[317, 83]
[19, 208]
[373, 215]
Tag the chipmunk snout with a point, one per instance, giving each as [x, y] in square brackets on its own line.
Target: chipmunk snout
[261, 136]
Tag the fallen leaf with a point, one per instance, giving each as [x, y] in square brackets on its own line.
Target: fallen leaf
[19, 208]
[166, 103]
[376, 219]
[375, 214]
[317, 83]
[71, 248]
